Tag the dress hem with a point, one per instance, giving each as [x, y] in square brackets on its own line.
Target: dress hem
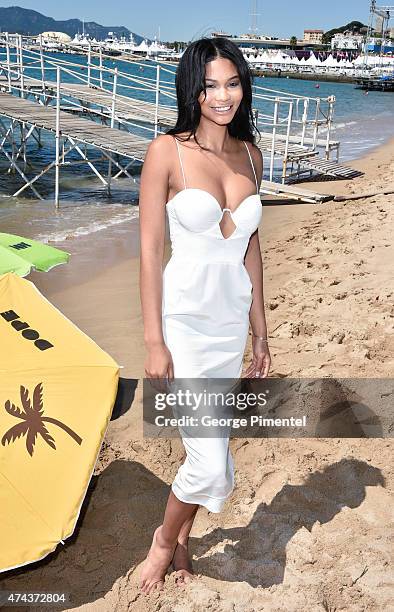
[213, 504]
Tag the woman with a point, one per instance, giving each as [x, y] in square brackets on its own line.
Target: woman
[206, 173]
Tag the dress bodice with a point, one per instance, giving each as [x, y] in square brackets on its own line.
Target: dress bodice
[194, 216]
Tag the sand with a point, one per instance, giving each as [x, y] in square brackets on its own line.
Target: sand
[309, 526]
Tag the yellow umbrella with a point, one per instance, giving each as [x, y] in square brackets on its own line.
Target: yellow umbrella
[57, 391]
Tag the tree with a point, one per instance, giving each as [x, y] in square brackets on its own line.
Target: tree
[293, 42]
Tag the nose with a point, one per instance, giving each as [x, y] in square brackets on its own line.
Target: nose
[222, 95]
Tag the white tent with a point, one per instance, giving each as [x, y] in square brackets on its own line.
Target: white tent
[330, 62]
[264, 57]
[313, 61]
[142, 46]
[278, 58]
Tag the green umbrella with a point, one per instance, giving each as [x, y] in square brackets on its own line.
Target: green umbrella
[20, 255]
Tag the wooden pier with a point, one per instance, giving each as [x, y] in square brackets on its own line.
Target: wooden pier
[84, 111]
[97, 102]
[76, 132]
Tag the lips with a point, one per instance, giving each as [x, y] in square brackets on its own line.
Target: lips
[222, 109]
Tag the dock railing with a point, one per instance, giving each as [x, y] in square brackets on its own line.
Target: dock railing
[110, 93]
[292, 127]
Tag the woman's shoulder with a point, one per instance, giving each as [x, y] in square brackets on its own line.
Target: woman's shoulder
[162, 142]
[257, 156]
[160, 151]
[253, 148]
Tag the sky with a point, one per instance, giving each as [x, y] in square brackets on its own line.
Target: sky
[186, 21]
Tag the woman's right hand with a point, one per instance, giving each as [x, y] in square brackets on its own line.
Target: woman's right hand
[159, 365]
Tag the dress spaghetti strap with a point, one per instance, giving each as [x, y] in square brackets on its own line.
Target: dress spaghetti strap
[180, 161]
[251, 161]
[183, 172]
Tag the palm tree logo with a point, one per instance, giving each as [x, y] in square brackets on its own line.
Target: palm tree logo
[32, 422]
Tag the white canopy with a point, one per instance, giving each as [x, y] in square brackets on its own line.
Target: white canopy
[313, 61]
[330, 62]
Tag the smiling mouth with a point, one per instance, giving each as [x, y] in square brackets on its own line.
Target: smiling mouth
[222, 109]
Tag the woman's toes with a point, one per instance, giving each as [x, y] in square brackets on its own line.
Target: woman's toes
[156, 564]
[183, 577]
[155, 586]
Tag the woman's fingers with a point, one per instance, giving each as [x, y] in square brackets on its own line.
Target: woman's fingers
[250, 370]
[266, 365]
[157, 381]
[259, 366]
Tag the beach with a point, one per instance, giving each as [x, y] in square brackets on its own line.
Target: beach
[309, 525]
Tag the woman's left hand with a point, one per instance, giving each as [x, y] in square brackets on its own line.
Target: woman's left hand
[261, 360]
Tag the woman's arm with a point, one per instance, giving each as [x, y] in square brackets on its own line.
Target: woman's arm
[254, 264]
[153, 197]
[261, 361]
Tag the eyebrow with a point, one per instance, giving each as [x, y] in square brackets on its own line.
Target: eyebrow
[236, 76]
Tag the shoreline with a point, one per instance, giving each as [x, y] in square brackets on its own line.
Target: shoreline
[304, 76]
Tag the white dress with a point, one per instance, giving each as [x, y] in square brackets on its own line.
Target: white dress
[207, 295]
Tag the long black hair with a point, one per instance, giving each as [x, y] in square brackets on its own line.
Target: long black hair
[190, 82]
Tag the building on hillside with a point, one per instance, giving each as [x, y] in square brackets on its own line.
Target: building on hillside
[255, 42]
[347, 41]
[313, 36]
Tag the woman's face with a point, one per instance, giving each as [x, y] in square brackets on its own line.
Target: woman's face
[223, 91]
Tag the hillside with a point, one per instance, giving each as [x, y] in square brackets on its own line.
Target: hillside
[29, 22]
[354, 26]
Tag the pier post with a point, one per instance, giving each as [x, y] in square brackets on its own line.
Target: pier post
[89, 60]
[21, 66]
[157, 98]
[101, 66]
[12, 168]
[42, 69]
[316, 126]
[115, 83]
[23, 130]
[17, 56]
[289, 121]
[57, 138]
[8, 61]
[304, 120]
[331, 101]
[276, 115]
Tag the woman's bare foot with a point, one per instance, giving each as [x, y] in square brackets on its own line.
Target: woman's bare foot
[156, 563]
[182, 564]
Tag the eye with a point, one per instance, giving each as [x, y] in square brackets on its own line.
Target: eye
[234, 83]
